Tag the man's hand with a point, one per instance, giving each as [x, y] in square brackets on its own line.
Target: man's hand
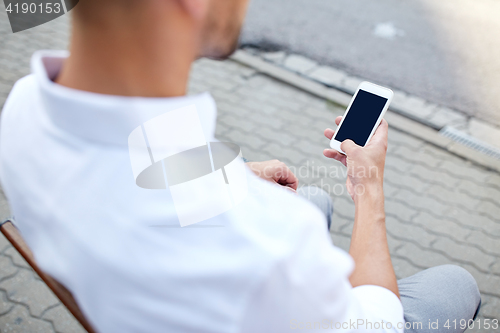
[365, 173]
[276, 172]
[365, 165]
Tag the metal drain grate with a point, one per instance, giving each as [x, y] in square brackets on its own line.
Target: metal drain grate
[469, 141]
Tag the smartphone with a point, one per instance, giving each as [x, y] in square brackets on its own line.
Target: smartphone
[363, 115]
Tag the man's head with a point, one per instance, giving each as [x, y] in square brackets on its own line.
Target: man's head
[216, 23]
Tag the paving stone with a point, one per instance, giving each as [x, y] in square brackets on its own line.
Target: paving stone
[328, 75]
[27, 289]
[436, 176]
[271, 135]
[453, 197]
[283, 153]
[4, 243]
[5, 304]
[308, 147]
[351, 83]
[490, 209]
[487, 283]
[443, 116]
[220, 131]
[299, 63]
[490, 307]
[485, 242]
[299, 132]
[494, 180]
[276, 57]
[415, 106]
[417, 156]
[466, 253]
[465, 171]
[287, 104]
[4, 208]
[256, 83]
[483, 191]
[398, 164]
[338, 191]
[405, 180]
[424, 258]
[395, 136]
[7, 268]
[341, 241]
[296, 116]
[440, 153]
[442, 226]
[250, 154]
[485, 132]
[390, 190]
[245, 139]
[391, 148]
[399, 97]
[403, 268]
[230, 116]
[399, 210]
[408, 232]
[17, 259]
[393, 243]
[18, 320]
[422, 203]
[323, 114]
[474, 221]
[495, 268]
[338, 223]
[344, 208]
[264, 120]
[63, 320]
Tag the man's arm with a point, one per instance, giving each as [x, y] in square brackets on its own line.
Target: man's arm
[365, 170]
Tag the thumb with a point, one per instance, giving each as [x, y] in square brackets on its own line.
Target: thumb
[348, 146]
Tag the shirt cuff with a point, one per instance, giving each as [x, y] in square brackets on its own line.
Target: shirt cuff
[381, 303]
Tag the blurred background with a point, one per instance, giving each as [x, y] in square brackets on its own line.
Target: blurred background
[446, 52]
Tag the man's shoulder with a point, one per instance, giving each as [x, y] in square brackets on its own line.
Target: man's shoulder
[24, 85]
[22, 93]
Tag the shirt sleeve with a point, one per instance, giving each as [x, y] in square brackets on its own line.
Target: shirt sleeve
[309, 289]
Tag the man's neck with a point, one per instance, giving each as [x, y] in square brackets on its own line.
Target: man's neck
[130, 60]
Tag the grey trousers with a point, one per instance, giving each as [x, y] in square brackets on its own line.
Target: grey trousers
[439, 299]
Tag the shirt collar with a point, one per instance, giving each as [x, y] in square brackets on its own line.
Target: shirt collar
[106, 119]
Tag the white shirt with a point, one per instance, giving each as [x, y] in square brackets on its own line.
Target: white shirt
[271, 267]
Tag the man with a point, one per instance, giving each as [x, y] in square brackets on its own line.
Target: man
[269, 266]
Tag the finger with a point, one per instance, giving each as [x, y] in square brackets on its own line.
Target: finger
[331, 153]
[291, 189]
[286, 177]
[348, 146]
[329, 133]
[380, 134]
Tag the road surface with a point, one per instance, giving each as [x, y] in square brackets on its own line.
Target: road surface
[445, 51]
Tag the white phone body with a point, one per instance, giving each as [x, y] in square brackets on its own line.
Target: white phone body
[373, 89]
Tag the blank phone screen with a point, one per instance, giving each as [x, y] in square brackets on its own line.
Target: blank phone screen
[361, 118]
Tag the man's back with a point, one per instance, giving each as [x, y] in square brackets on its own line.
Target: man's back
[120, 248]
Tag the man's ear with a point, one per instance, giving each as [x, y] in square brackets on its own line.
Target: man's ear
[195, 8]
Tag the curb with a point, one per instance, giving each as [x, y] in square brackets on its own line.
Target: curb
[395, 116]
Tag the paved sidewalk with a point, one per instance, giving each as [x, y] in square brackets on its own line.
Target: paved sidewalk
[440, 209]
